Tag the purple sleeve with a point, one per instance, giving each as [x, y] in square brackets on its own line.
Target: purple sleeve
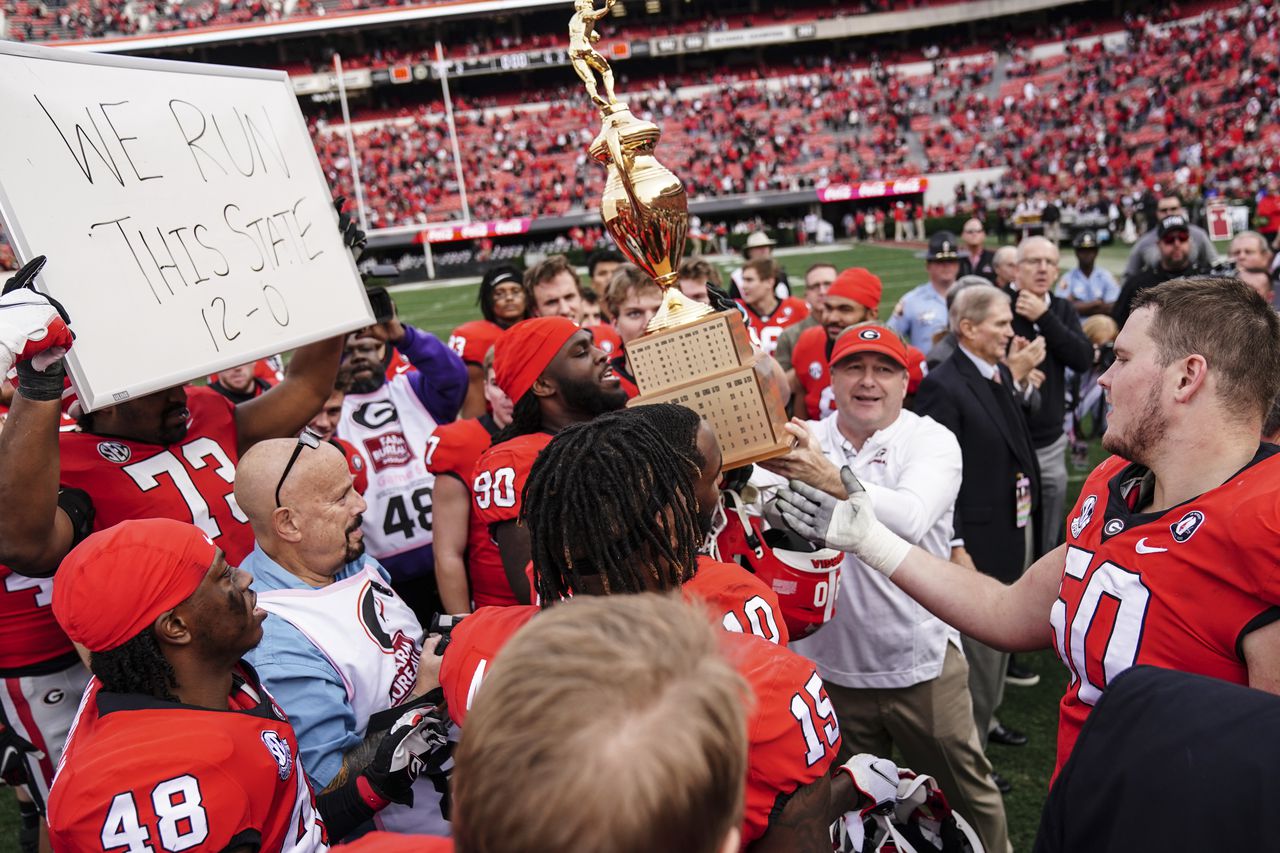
[441, 378]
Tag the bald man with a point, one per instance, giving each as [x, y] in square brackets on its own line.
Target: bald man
[338, 646]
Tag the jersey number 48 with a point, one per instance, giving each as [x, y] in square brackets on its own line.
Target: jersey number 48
[181, 821]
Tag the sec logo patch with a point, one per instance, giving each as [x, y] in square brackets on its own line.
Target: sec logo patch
[114, 451]
[815, 370]
[280, 751]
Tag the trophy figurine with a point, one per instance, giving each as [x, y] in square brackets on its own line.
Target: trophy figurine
[689, 355]
[644, 207]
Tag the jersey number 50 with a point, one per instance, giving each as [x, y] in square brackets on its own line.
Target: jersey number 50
[1110, 587]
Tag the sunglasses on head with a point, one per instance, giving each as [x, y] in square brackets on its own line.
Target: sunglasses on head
[306, 439]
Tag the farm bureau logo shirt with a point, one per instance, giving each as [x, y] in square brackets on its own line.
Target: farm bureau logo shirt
[389, 427]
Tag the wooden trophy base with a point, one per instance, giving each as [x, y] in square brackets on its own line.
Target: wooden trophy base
[709, 366]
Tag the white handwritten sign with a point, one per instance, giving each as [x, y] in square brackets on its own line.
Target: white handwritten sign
[187, 223]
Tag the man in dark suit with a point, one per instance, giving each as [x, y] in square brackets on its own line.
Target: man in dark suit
[1038, 313]
[974, 395]
[976, 258]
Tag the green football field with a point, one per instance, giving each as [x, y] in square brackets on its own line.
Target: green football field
[440, 308]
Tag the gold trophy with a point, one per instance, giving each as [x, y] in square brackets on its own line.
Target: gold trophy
[689, 355]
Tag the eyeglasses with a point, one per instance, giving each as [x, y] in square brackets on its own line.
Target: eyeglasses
[1175, 238]
[307, 438]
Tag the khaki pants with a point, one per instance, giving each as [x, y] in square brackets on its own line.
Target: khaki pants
[987, 669]
[931, 723]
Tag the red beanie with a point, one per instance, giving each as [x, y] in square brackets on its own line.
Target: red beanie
[525, 350]
[916, 369]
[116, 583]
[860, 285]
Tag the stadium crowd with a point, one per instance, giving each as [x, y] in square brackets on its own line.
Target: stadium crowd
[1118, 118]
[30, 20]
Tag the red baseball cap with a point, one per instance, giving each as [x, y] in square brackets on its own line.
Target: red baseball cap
[115, 583]
[860, 285]
[879, 339]
[525, 350]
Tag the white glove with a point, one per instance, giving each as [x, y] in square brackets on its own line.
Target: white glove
[876, 779]
[849, 525]
[32, 326]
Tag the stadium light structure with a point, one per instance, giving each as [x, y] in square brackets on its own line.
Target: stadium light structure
[352, 155]
[443, 68]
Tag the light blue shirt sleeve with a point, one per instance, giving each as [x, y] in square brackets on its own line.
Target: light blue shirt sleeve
[311, 692]
[301, 679]
[1068, 285]
[1110, 289]
[900, 324]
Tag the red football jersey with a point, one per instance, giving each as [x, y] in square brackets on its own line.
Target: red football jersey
[473, 644]
[500, 475]
[606, 338]
[789, 312]
[809, 360]
[29, 635]
[792, 733]
[739, 600]
[398, 363]
[471, 341]
[144, 774]
[452, 451]
[189, 481]
[394, 842]
[1178, 589]
[355, 463]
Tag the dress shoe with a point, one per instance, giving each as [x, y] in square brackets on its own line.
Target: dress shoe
[1020, 676]
[1003, 785]
[1006, 736]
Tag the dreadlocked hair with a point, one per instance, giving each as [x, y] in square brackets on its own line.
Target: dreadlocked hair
[611, 499]
[136, 666]
[526, 419]
[679, 425]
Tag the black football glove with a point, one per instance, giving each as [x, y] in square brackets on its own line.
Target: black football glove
[404, 751]
[721, 300]
[13, 752]
[352, 237]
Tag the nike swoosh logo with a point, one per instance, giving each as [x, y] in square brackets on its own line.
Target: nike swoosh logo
[1143, 548]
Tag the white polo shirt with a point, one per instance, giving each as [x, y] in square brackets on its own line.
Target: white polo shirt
[880, 637]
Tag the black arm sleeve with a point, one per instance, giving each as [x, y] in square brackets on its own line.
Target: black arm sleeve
[343, 809]
[78, 506]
